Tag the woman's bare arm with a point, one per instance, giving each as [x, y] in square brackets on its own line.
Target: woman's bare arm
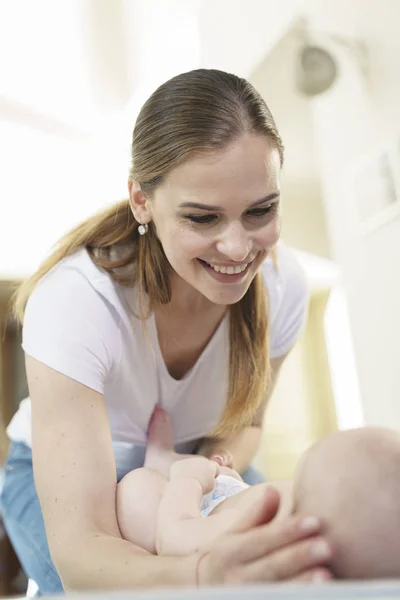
[75, 477]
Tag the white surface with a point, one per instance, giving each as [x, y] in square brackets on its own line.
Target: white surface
[336, 591]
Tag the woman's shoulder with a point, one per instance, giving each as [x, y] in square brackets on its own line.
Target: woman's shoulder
[72, 321]
[78, 263]
[78, 279]
[76, 296]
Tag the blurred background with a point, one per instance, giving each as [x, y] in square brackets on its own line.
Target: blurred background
[73, 75]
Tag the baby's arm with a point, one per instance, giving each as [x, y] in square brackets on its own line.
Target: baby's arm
[181, 530]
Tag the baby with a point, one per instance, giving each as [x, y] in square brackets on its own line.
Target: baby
[350, 480]
[187, 512]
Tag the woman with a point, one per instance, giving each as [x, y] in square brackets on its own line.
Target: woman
[160, 299]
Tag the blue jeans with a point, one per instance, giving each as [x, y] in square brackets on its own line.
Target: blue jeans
[23, 520]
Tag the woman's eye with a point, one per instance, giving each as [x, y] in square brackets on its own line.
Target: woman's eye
[202, 219]
[255, 212]
[261, 212]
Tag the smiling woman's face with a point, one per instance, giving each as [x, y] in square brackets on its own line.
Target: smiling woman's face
[218, 215]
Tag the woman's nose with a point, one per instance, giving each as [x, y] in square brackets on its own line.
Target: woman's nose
[235, 243]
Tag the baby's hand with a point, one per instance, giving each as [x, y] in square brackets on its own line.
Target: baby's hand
[224, 458]
[196, 467]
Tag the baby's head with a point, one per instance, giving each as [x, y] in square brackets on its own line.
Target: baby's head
[351, 481]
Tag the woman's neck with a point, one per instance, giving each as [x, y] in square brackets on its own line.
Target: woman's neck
[185, 299]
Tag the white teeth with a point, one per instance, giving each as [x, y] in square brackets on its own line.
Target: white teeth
[228, 270]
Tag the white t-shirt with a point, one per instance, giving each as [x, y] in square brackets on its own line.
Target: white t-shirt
[79, 322]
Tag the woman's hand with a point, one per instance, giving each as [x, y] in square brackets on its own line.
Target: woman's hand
[260, 549]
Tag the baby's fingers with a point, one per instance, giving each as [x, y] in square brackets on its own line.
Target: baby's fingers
[223, 458]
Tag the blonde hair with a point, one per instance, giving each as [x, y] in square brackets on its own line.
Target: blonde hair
[203, 110]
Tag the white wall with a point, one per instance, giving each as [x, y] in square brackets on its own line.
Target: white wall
[75, 76]
[236, 35]
[304, 222]
[48, 184]
[351, 120]
[44, 58]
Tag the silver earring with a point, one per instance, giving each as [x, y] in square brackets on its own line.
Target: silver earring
[143, 229]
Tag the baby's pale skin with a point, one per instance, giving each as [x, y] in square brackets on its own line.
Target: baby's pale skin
[163, 515]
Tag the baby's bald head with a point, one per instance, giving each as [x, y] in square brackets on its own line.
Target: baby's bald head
[351, 481]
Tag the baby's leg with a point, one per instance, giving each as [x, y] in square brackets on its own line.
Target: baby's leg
[160, 454]
[160, 440]
[138, 497]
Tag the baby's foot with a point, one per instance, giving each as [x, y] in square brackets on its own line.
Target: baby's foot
[160, 441]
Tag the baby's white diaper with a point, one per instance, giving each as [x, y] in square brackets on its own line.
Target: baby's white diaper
[225, 486]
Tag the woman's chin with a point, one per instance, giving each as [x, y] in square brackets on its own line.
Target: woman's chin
[224, 297]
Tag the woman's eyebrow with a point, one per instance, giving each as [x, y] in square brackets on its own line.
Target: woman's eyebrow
[219, 208]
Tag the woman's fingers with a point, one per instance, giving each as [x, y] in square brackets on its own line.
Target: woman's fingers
[319, 575]
[262, 535]
[262, 511]
[260, 549]
[284, 564]
[303, 561]
[271, 537]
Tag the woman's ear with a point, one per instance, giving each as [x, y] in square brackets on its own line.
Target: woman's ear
[140, 205]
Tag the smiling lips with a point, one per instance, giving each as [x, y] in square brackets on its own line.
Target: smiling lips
[229, 270]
